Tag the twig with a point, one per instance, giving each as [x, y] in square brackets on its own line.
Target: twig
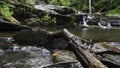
[60, 63]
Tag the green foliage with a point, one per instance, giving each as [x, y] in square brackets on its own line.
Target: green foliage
[97, 5]
[46, 19]
[30, 2]
[5, 11]
[27, 2]
[61, 2]
[54, 2]
[114, 12]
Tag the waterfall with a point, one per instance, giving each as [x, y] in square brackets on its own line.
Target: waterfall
[85, 22]
[109, 25]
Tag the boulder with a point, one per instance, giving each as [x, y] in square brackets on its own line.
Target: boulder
[41, 38]
[65, 16]
[65, 56]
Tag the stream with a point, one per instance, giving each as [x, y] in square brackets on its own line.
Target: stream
[93, 38]
[25, 56]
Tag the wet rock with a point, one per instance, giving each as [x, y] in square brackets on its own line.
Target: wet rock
[117, 44]
[59, 43]
[108, 54]
[6, 26]
[6, 39]
[115, 21]
[65, 56]
[104, 20]
[97, 48]
[1, 52]
[104, 46]
[112, 61]
[6, 42]
[26, 57]
[55, 9]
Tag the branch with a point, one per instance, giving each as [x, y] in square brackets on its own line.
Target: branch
[60, 63]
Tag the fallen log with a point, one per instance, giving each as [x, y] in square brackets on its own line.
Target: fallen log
[84, 55]
[75, 43]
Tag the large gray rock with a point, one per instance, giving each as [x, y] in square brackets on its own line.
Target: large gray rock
[65, 16]
[52, 9]
[25, 57]
[115, 21]
[108, 54]
[40, 38]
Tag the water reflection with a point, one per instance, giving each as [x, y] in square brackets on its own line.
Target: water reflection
[98, 34]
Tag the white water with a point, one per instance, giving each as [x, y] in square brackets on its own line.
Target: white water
[109, 25]
[85, 22]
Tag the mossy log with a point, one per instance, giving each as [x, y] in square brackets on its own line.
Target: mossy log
[84, 56]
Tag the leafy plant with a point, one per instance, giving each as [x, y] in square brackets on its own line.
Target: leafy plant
[5, 11]
[54, 2]
[46, 19]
